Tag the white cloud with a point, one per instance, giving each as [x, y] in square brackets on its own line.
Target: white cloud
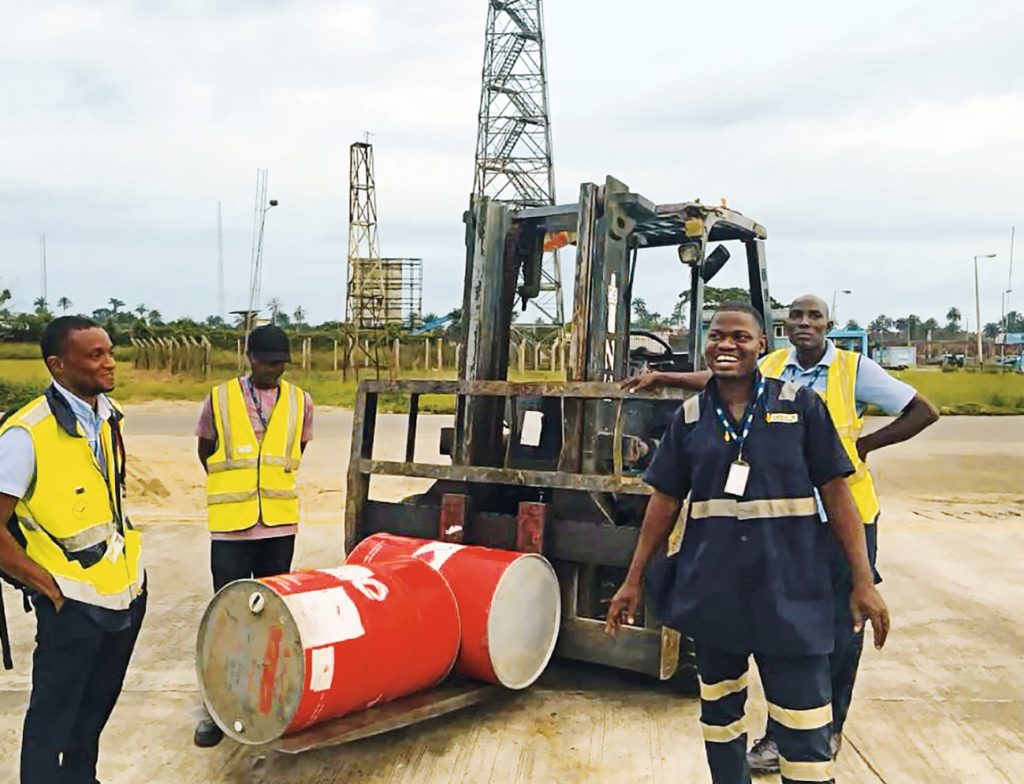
[879, 142]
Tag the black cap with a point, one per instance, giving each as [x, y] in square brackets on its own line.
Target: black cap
[269, 344]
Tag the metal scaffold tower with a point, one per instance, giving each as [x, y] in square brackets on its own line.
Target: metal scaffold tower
[364, 300]
[513, 148]
[381, 292]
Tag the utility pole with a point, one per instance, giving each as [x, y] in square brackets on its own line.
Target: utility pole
[514, 163]
[259, 219]
[220, 266]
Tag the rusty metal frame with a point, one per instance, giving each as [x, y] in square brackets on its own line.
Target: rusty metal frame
[362, 465]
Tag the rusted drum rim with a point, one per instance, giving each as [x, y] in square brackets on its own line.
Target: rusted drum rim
[278, 699]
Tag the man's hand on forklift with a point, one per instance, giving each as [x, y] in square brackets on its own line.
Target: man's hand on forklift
[623, 607]
[649, 380]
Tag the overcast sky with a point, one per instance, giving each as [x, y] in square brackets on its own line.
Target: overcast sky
[880, 143]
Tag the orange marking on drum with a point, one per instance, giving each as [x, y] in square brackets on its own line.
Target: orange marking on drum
[270, 657]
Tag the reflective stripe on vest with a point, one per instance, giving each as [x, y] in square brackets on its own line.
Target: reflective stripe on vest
[841, 401]
[68, 512]
[249, 480]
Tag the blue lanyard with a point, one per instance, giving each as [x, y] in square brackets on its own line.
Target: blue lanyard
[748, 419]
[815, 377]
[254, 395]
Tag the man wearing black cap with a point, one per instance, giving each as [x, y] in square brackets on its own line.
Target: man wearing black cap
[252, 433]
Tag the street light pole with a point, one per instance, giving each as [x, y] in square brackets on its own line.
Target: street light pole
[835, 295]
[977, 300]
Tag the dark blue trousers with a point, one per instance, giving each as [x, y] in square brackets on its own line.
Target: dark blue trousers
[845, 659]
[798, 690]
[78, 669]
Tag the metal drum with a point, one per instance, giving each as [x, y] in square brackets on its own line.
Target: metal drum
[278, 654]
[509, 603]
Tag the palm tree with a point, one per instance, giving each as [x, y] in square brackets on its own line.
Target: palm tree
[155, 318]
[115, 304]
[275, 306]
[40, 305]
[64, 304]
[299, 315]
[141, 310]
[953, 318]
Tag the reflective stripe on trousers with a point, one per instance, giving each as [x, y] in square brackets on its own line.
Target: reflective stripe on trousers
[798, 693]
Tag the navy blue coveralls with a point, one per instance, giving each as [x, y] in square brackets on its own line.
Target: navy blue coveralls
[752, 576]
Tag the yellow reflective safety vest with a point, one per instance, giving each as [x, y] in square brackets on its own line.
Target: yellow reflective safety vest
[840, 400]
[249, 480]
[71, 514]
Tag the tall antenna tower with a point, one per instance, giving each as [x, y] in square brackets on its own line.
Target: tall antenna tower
[221, 310]
[365, 295]
[513, 145]
[46, 292]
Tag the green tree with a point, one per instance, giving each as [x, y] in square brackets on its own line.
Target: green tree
[154, 318]
[64, 304]
[299, 315]
[881, 323]
[39, 303]
[281, 320]
[141, 309]
[990, 330]
[852, 324]
[214, 322]
[115, 305]
[953, 318]
[929, 327]
[645, 319]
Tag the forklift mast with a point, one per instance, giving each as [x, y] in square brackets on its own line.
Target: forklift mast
[576, 494]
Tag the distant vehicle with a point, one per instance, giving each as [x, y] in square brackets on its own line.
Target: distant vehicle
[896, 357]
[954, 360]
[851, 339]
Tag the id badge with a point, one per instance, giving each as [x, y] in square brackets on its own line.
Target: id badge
[115, 546]
[736, 482]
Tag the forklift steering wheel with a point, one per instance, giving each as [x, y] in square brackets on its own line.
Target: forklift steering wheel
[643, 353]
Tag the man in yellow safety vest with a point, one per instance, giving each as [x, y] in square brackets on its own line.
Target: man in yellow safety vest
[252, 432]
[62, 472]
[848, 382]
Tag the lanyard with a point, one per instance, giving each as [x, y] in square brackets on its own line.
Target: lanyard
[815, 377]
[257, 404]
[748, 419]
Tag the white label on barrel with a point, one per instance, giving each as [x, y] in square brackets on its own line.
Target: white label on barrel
[325, 617]
[436, 553]
[322, 675]
[362, 579]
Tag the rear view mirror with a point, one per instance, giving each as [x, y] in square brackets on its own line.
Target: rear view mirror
[714, 263]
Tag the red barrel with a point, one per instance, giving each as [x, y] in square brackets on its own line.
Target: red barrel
[278, 654]
[509, 603]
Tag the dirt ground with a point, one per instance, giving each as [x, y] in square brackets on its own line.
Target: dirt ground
[943, 703]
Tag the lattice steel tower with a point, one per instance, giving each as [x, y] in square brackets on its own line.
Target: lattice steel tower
[364, 300]
[513, 144]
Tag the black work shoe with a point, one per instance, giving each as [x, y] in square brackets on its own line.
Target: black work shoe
[763, 756]
[207, 734]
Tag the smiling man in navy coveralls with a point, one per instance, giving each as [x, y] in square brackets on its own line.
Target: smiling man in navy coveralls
[752, 576]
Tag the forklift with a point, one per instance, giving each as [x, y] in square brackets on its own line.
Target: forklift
[555, 467]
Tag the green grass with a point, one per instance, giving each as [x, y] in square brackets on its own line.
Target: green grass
[20, 379]
[22, 374]
[968, 391]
